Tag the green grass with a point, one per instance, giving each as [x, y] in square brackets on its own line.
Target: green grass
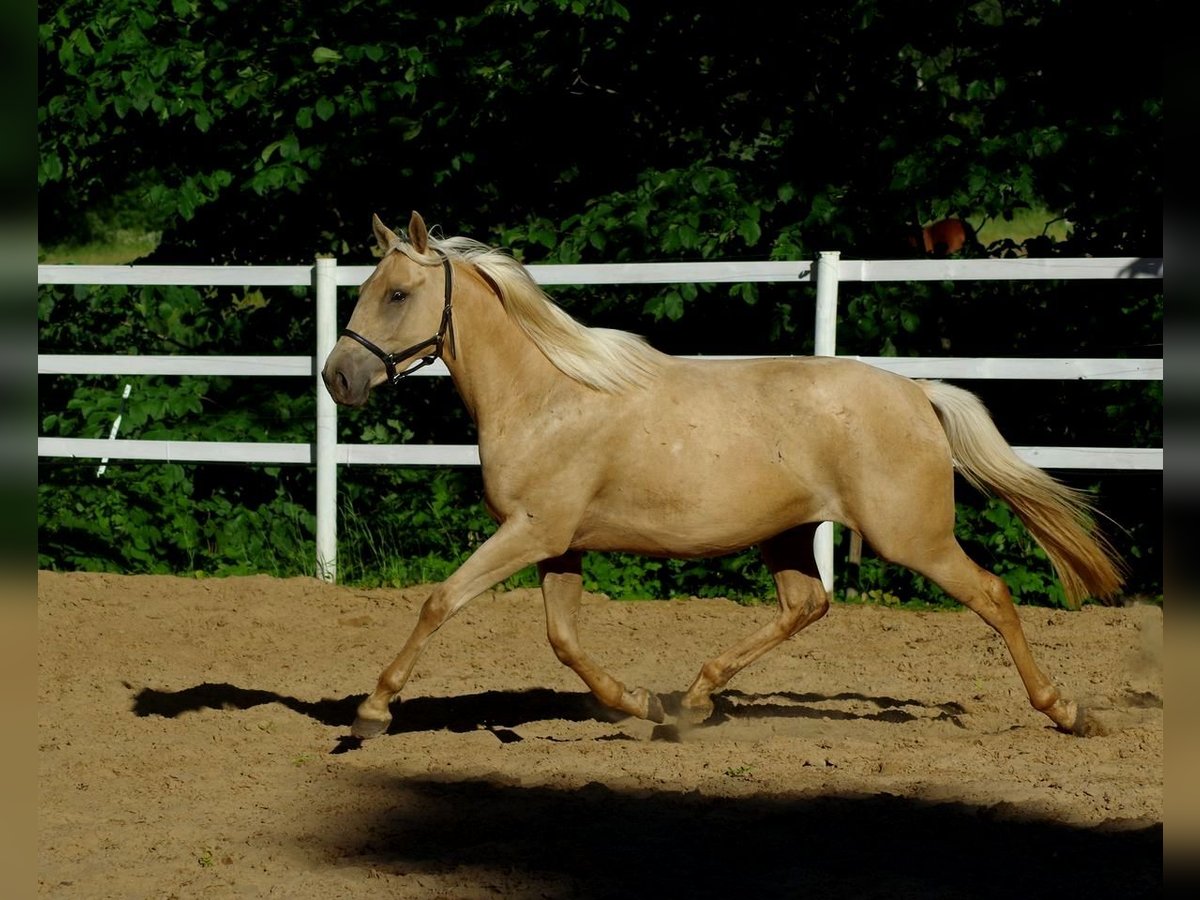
[1025, 223]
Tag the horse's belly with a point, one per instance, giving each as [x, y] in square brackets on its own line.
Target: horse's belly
[682, 516]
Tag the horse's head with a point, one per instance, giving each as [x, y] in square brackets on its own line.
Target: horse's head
[406, 299]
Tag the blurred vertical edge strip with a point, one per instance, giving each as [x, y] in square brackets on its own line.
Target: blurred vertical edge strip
[18, 436]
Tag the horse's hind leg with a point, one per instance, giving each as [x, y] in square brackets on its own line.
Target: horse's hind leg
[802, 600]
[988, 595]
[562, 588]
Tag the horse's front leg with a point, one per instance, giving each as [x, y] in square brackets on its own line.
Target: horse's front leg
[509, 550]
[562, 589]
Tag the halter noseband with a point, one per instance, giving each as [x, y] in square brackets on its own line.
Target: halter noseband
[436, 342]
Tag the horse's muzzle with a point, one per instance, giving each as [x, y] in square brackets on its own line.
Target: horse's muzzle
[348, 378]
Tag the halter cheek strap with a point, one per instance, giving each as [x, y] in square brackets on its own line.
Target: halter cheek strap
[436, 342]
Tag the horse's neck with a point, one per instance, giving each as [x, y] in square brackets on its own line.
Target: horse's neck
[496, 368]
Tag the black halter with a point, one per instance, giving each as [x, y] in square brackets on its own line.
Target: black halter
[436, 342]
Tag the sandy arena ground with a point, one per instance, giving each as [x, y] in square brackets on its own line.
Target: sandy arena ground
[192, 741]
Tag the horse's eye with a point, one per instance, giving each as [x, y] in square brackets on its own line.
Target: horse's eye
[398, 296]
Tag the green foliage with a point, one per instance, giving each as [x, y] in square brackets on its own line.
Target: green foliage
[740, 576]
[660, 133]
[143, 517]
[571, 131]
[168, 518]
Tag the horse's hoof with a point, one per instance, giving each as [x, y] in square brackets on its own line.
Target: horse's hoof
[696, 714]
[647, 706]
[365, 729]
[654, 710]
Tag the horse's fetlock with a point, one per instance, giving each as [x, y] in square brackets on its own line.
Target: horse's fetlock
[712, 673]
[1042, 700]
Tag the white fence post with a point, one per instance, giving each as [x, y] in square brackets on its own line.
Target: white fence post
[825, 344]
[325, 284]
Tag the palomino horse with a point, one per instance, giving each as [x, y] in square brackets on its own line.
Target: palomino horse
[592, 440]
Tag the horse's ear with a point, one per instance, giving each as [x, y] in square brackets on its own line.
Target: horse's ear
[386, 237]
[418, 234]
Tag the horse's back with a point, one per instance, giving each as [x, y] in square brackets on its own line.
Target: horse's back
[813, 403]
[769, 389]
[719, 454]
[825, 409]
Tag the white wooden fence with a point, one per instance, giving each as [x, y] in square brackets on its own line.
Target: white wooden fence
[326, 276]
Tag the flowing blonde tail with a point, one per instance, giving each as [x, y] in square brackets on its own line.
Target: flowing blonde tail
[1059, 518]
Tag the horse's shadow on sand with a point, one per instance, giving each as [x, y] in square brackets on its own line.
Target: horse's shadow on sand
[597, 843]
[502, 711]
[600, 843]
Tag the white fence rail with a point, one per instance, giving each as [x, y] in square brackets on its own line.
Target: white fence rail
[326, 276]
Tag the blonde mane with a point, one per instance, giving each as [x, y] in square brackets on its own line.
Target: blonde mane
[602, 358]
